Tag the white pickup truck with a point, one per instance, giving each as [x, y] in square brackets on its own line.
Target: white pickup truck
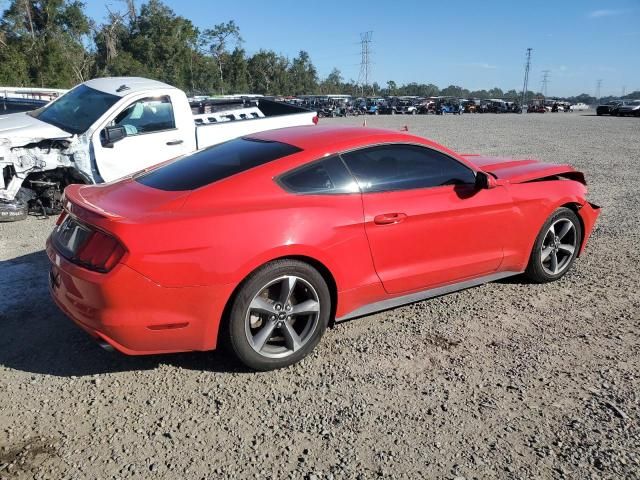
[108, 128]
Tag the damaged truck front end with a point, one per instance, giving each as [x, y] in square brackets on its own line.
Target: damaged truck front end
[35, 171]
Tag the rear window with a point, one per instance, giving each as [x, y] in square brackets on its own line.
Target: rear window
[215, 163]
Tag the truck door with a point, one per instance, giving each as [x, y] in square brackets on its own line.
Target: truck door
[142, 134]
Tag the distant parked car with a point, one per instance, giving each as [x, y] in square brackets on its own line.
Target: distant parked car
[449, 107]
[395, 106]
[608, 108]
[629, 108]
[427, 107]
[579, 107]
[536, 108]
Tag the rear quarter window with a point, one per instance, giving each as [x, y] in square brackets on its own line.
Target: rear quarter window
[215, 163]
[321, 177]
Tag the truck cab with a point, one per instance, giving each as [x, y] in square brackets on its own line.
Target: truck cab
[109, 128]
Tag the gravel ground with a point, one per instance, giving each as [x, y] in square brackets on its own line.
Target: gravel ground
[508, 380]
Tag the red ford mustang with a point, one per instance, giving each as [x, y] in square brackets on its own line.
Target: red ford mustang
[259, 243]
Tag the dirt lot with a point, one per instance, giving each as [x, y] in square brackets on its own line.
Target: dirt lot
[507, 380]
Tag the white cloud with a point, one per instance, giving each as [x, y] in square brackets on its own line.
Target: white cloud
[606, 13]
[483, 65]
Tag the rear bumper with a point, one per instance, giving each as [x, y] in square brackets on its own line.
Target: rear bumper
[588, 213]
[132, 313]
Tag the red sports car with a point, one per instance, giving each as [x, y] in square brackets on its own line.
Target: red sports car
[260, 243]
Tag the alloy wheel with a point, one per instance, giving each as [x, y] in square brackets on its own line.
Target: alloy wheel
[559, 246]
[282, 317]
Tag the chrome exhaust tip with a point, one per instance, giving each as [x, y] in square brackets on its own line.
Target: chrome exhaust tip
[106, 346]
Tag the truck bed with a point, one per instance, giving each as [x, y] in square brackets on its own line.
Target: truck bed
[249, 117]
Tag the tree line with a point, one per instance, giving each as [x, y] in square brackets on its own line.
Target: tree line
[53, 43]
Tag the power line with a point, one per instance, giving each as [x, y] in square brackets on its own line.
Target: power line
[545, 81]
[365, 60]
[598, 87]
[526, 77]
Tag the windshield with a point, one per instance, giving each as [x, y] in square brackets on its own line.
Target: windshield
[76, 110]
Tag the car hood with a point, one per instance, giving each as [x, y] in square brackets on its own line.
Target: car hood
[521, 171]
[19, 129]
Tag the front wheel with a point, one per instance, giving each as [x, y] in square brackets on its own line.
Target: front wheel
[556, 247]
[278, 316]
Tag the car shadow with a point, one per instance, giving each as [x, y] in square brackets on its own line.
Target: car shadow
[36, 337]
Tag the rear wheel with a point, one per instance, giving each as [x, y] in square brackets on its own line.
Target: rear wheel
[278, 316]
[556, 247]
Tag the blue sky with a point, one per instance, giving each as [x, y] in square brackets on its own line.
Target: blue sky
[468, 43]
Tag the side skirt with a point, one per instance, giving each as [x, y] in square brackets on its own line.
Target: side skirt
[423, 295]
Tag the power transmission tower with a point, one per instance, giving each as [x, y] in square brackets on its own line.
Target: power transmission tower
[365, 62]
[598, 87]
[526, 78]
[545, 81]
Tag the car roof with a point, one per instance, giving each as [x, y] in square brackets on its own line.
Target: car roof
[122, 86]
[314, 137]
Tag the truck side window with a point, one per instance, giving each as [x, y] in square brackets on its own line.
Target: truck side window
[147, 115]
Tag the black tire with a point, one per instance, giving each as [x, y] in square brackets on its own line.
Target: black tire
[536, 271]
[234, 334]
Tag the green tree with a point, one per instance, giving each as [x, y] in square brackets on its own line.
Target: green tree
[268, 73]
[238, 71]
[391, 87]
[155, 43]
[217, 40]
[44, 43]
[333, 83]
[303, 77]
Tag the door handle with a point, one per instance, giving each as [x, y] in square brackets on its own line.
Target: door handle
[175, 142]
[389, 218]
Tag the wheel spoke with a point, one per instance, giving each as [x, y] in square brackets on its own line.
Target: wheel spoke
[291, 337]
[261, 305]
[546, 252]
[310, 306]
[567, 248]
[284, 320]
[566, 228]
[552, 229]
[286, 289]
[260, 338]
[554, 262]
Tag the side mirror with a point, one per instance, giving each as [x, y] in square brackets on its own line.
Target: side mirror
[111, 135]
[485, 181]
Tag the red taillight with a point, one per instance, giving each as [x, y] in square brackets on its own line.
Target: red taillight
[100, 252]
[315, 120]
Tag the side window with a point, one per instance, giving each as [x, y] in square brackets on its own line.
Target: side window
[147, 115]
[404, 167]
[325, 176]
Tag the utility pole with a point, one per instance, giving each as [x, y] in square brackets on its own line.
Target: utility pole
[598, 87]
[526, 78]
[365, 61]
[545, 81]
[624, 90]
